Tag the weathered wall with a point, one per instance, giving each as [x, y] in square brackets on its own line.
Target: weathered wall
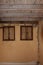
[19, 51]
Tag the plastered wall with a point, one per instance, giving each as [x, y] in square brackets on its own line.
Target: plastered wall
[19, 51]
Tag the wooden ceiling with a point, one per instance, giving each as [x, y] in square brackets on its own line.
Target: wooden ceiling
[21, 10]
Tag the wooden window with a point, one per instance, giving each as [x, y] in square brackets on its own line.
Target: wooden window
[26, 33]
[8, 33]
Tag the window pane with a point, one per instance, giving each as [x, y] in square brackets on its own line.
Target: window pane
[26, 32]
[29, 33]
[5, 33]
[8, 33]
[23, 36]
[11, 31]
[23, 33]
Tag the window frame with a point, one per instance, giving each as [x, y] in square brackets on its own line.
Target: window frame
[31, 33]
[8, 33]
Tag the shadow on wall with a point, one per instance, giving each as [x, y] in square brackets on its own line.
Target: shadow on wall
[29, 63]
[42, 31]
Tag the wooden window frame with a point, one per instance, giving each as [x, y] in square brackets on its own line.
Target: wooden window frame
[31, 33]
[8, 33]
